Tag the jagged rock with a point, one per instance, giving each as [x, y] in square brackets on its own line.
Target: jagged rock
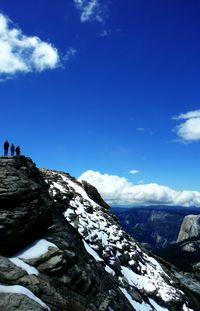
[190, 227]
[94, 194]
[124, 258]
[25, 205]
[54, 264]
[135, 295]
[50, 262]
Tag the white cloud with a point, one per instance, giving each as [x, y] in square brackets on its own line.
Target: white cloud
[21, 53]
[189, 129]
[134, 172]
[90, 10]
[188, 115]
[119, 191]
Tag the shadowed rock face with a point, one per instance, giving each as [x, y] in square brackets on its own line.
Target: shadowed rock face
[190, 228]
[94, 194]
[24, 203]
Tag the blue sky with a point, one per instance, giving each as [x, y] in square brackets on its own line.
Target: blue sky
[105, 99]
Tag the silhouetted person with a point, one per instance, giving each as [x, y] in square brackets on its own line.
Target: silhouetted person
[12, 149]
[6, 146]
[18, 151]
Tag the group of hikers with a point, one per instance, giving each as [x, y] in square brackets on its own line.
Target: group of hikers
[13, 150]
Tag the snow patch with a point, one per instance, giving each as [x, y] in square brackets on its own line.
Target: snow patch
[35, 250]
[29, 269]
[92, 252]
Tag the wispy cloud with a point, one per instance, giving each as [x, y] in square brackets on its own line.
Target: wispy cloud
[119, 191]
[71, 52]
[21, 54]
[134, 172]
[189, 129]
[145, 130]
[90, 10]
[104, 33]
[141, 129]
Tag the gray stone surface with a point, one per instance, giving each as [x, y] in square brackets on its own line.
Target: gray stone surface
[17, 302]
[190, 228]
[8, 271]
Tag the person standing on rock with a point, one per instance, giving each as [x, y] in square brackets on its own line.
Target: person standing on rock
[6, 146]
[12, 149]
[18, 151]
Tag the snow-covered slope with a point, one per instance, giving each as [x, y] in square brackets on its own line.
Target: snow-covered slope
[144, 282]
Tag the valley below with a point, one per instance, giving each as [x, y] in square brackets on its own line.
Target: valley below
[153, 226]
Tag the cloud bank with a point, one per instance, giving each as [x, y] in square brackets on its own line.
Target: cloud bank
[22, 54]
[119, 191]
[90, 10]
[189, 129]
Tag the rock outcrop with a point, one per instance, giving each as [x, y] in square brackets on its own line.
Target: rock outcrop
[60, 249]
[24, 206]
[190, 228]
[94, 194]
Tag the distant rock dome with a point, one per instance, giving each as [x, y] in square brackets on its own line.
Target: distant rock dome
[190, 228]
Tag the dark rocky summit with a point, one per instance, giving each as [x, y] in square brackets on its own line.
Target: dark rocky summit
[62, 249]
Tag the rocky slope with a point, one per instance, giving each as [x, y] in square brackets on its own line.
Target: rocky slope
[139, 276]
[61, 249]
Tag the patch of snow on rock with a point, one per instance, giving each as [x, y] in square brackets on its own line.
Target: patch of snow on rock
[36, 249]
[29, 269]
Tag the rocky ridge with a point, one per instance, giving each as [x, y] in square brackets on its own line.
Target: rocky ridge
[62, 250]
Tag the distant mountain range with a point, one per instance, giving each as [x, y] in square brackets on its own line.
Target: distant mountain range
[153, 226]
